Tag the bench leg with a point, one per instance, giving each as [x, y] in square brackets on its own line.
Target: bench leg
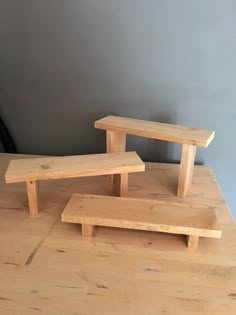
[115, 141]
[32, 190]
[87, 229]
[120, 184]
[192, 241]
[186, 169]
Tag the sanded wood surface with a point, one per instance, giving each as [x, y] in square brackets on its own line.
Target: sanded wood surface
[47, 267]
[141, 214]
[45, 168]
[156, 130]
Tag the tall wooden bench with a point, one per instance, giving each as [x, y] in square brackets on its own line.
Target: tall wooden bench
[141, 214]
[117, 128]
[33, 170]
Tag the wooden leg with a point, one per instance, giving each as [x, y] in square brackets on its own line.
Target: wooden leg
[120, 184]
[115, 141]
[192, 241]
[32, 190]
[87, 229]
[186, 169]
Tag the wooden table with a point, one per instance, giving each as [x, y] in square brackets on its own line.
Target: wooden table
[46, 267]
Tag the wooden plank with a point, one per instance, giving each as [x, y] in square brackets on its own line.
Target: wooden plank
[186, 169]
[156, 130]
[142, 215]
[73, 166]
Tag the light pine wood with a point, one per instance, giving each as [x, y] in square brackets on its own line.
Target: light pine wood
[32, 170]
[186, 169]
[156, 130]
[73, 166]
[47, 267]
[120, 184]
[117, 128]
[86, 230]
[192, 241]
[115, 141]
[143, 215]
[33, 191]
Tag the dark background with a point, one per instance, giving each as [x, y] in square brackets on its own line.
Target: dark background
[64, 64]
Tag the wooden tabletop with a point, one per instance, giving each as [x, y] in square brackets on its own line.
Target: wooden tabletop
[46, 267]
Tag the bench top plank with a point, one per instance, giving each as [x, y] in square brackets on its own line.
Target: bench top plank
[44, 168]
[157, 130]
[142, 214]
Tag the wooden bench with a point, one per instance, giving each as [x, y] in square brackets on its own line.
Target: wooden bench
[35, 169]
[140, 214]
[117, 128]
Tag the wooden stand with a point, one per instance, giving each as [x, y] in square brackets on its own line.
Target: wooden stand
[35, 169]
[117, 128]
[140, 214]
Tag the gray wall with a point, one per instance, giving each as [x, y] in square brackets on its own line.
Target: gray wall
[64, 64]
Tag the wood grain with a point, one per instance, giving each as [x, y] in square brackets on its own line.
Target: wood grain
[156, 130]
[117, 127]
[120, 184]
[115, 141]
[45, 168]
[186, 169]
[126, 272]
[142, 215]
